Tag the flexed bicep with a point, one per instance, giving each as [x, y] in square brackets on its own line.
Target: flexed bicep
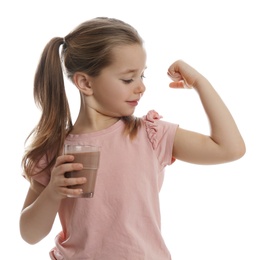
[197, 148]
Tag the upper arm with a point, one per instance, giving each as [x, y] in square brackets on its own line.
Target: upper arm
[33, 192]
[197, 148]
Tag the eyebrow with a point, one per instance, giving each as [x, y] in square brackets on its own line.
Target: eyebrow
[130, 71]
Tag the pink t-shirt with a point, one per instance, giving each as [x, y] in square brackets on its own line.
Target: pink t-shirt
[122, 220]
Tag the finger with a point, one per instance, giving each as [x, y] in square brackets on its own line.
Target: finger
[180, 84]
[70, 167]
[177, 84]
[173, 68]
[72, 181]
[63, 159]
[67, 192]
[175, 76]
[58, 172]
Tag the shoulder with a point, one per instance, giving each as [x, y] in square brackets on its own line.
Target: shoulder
[156, 128]
[41, 171]
[151, 116]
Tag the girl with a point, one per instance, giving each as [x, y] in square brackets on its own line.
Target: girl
[105, 59]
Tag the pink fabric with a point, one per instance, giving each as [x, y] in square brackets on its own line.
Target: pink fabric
[122, 221]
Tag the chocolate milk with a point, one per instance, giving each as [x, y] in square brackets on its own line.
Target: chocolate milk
[90, 161]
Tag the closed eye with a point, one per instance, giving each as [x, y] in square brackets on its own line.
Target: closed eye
[127, 81]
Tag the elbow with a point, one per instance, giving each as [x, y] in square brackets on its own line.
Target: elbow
[27, 235]
[241, 150]
[28, 238]
[237, 151]
[29, 241]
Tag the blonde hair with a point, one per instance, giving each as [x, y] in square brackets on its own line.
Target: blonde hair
[86, 49]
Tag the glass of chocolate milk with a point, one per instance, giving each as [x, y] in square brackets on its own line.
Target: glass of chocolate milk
[89, 157]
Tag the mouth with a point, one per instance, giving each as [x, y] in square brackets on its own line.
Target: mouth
[133, 102]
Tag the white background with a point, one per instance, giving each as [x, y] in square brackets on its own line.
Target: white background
[208, 212]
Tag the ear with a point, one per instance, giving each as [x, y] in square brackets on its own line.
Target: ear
[82, 82]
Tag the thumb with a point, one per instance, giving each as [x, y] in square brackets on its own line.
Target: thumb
[179, 84]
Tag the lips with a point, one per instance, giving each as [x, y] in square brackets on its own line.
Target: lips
[133, 102]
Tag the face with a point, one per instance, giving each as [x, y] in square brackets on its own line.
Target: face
[119, 87]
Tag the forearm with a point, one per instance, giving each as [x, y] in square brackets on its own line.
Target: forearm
[224, 131]
[37, 219]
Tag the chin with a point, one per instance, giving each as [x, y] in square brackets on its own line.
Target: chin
[127, 114]
[123, 113]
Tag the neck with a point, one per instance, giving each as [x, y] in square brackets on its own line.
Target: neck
[90, 120]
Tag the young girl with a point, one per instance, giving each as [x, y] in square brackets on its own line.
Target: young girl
[105, 59]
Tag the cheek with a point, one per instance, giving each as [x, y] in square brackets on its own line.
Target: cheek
[109, 93]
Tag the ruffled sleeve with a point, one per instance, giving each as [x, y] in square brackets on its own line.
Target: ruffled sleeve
[161, 136]
[152, 126]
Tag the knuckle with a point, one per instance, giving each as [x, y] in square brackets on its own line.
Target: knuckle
[66, 182]
[59, 160]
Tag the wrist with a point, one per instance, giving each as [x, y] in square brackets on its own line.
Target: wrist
[52, 195]
[200, 82]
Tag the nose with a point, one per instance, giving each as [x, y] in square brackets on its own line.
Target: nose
[140, 88]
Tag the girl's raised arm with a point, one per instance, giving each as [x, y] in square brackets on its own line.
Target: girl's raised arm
[225, 143]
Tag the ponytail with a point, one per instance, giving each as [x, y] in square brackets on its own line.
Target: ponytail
[50, 96]
[88, 48]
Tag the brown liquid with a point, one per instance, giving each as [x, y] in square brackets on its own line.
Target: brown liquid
[90, 163]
